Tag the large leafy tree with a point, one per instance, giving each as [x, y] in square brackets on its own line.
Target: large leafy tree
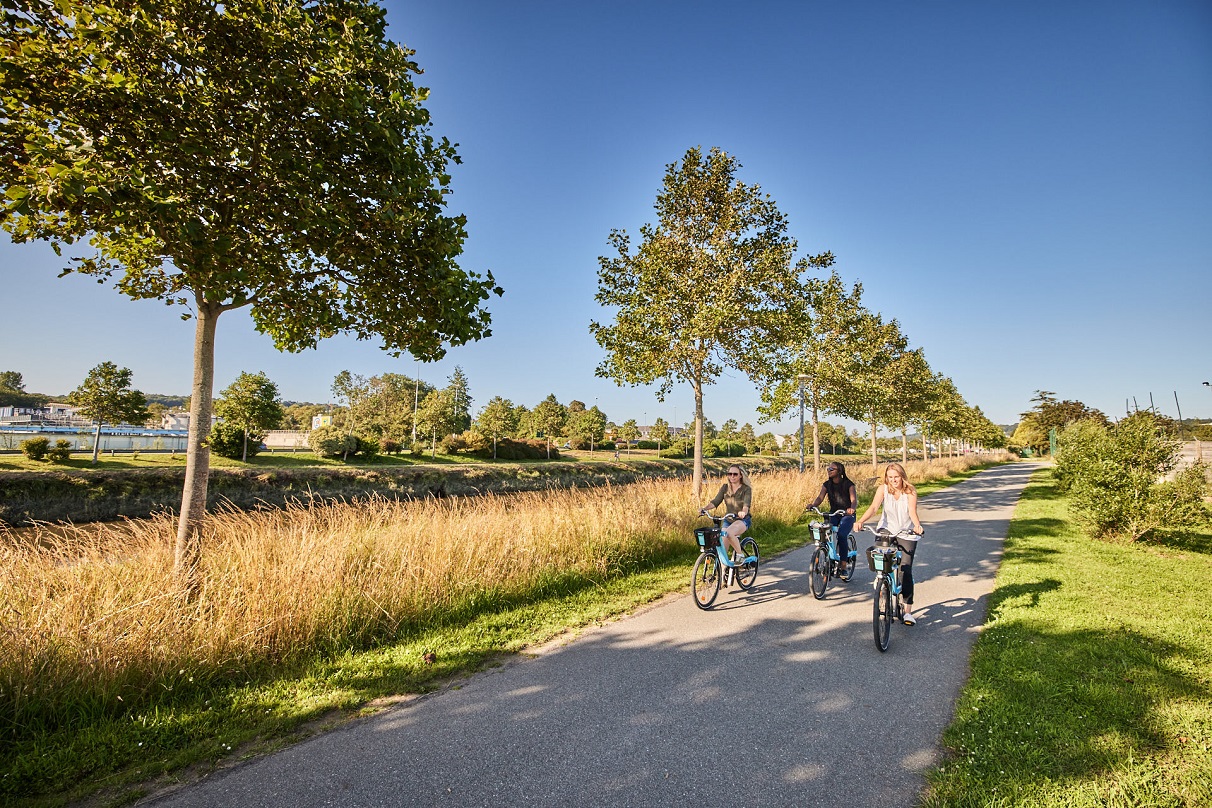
[498, 419]
[548, 418]
[273, 155]
[868, 391]
[818, 353]
[912, 385]
[252, 402]
[709, 286]
[106, 397]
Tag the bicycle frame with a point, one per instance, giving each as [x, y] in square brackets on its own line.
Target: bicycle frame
[827, 561]
[885, 560]
[713, 566]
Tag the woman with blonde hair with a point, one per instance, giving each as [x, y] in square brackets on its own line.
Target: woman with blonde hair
[737, 496]
[899, 500]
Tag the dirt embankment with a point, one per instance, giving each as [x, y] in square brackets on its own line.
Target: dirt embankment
[91, 496]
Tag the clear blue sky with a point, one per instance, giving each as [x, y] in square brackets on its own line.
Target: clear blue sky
[1026, 187]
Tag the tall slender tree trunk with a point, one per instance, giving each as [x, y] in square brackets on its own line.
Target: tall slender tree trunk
[904, 444]
[197, 458]
[697, 479]
[875, 459]
[816, 433]
[96, 443]
[925, 443]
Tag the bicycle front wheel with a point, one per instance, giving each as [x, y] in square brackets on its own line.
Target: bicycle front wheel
[746, 575]
[705, 583]
[818, 572]
[881, 613]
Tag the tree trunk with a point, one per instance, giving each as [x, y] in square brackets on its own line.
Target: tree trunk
[925, 444]
[816, 434]
[244, 447]
[197, 459]
[96, 443]
[697, 479]
[875, 459]
[904, 444]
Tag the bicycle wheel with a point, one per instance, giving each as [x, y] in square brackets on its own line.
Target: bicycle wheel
[846, 566]
[881, 613]
[705, 584]
[818, 572]
[746, 575]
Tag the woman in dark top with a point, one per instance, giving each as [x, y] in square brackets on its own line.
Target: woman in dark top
[843, 496]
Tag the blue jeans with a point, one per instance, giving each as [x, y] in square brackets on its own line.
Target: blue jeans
[844, 525]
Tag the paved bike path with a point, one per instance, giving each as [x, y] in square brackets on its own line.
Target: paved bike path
[770, 698]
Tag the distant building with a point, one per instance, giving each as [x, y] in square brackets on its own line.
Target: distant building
[318, 421]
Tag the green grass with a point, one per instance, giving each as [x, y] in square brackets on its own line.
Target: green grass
[1091, 683]
[116, 759]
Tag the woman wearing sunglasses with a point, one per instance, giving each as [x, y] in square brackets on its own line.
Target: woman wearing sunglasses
[843, 496]
[737, 496]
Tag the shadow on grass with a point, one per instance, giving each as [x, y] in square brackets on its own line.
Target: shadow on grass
[1063, 707]
[1191, 541]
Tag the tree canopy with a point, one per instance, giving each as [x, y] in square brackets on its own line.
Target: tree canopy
[106, 397]
[268, 154]
[708, 287]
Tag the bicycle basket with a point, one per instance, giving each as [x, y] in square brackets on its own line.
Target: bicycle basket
[707, 537]
[820, 532]
[881, 559]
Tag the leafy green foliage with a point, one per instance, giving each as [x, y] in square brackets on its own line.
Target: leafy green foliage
[711, 285]
[269, 154]
[329, 441]
[1112, 474]
[35, 448]
[13, 394]
[232, 441]
[61, 452]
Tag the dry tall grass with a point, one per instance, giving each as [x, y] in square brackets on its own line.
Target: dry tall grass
[91, 617]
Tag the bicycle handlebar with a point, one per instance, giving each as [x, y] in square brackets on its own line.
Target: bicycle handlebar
[818, 512]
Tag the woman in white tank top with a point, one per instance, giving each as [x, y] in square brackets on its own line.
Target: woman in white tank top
[899, 501]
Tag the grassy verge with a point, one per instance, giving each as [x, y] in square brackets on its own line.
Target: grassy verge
[109, 688]
[1092, 682]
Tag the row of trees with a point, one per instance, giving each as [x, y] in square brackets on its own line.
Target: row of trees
[713, 285]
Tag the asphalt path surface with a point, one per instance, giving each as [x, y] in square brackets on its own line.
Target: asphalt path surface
[770, 698]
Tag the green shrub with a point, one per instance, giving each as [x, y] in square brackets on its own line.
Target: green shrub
[35, 448]
[509, 449]
[647, 444]
[417, 449]
[227, 440]
[389, 446]
[61, 452]
[329, 441]
[368, 448]
[1115, 476]
[679, 448]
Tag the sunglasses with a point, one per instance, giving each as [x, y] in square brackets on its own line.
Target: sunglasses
[831, 469]
[734, 474]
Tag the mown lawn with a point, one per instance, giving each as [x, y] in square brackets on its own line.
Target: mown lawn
[1092, 682]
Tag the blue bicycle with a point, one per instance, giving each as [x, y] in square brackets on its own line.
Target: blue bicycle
[826, 559]
[884, 559]
[713, 566]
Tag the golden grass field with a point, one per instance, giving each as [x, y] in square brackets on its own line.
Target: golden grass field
[95, 611]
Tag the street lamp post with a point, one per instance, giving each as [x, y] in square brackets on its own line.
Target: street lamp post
[801, 378]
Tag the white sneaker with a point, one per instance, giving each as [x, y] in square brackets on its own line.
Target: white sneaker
[908, 619]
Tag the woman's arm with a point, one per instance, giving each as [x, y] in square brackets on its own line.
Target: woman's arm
[853, 498]
[872, 509]
[746, 503]
[820, 497]
[917, 524]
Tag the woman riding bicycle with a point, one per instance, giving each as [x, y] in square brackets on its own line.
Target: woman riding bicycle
[843, 496]
[899, 499]
[737, 496]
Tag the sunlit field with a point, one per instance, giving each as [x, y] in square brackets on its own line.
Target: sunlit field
[94, 625]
